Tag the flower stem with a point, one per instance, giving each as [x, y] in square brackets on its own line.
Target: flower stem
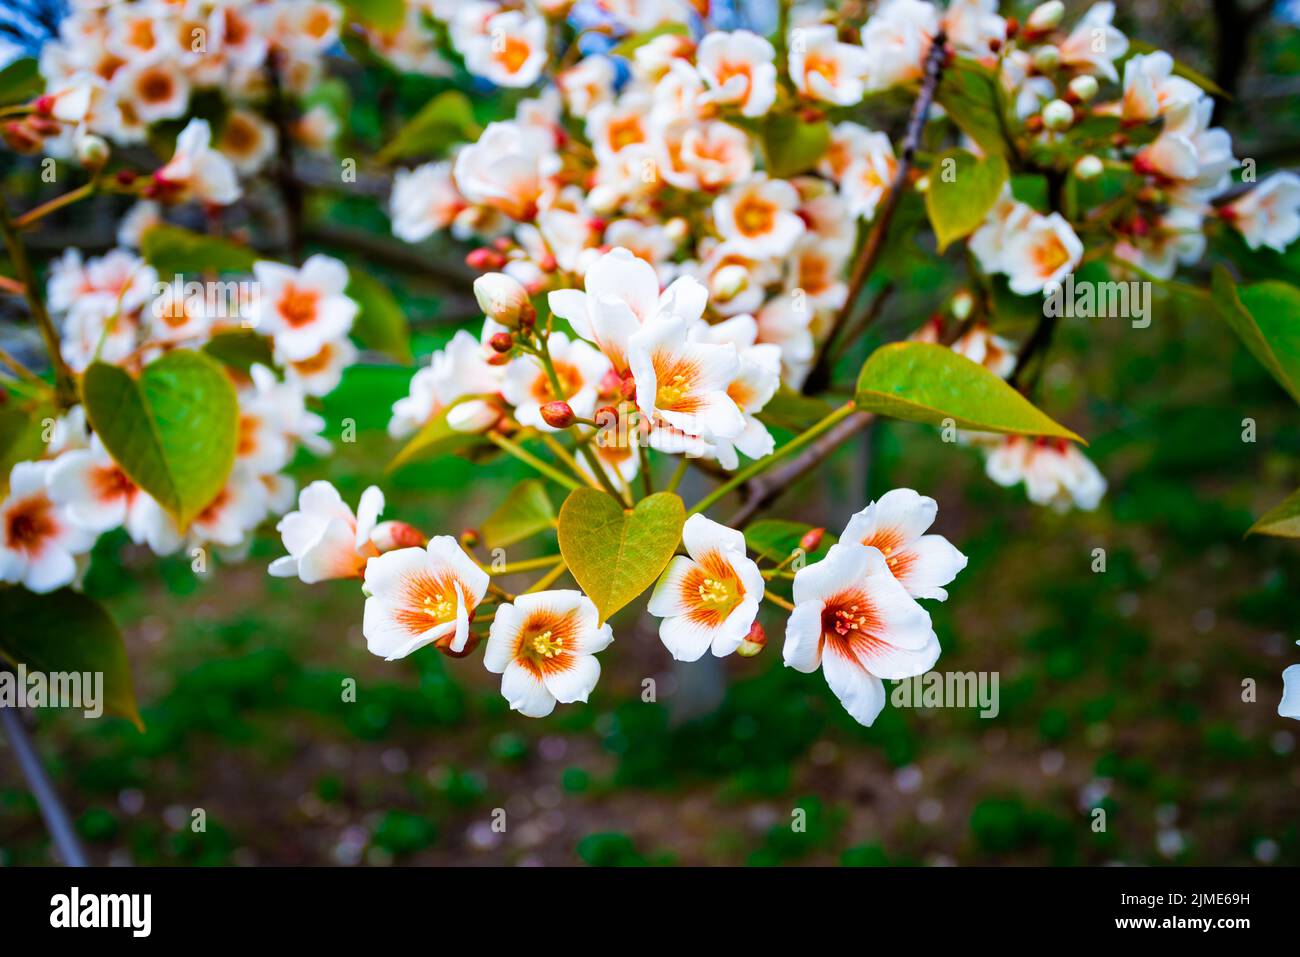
[523, 455]
[678, 474]
[549, 578]
[528, 565]
[763, 464]
[67, 199]
[561, 453]
[777, 600]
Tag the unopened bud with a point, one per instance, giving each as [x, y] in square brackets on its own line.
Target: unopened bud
[502, 298]
[388, 536]
[754, 642]
[469, 537]
[1045, 16]
[1058, 116]
[502, 342]
[92, 151]
[729, 282]
[922, 184]
[558, 415]
[1088, 167]
[811, 539]
[603, 200]
[677, 229]
[962, 304]
[1047, 58]
[627, 389]
[1084, 87]
[484, 258]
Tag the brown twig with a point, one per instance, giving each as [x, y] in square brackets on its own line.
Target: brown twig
[874, 245]
[764, 490]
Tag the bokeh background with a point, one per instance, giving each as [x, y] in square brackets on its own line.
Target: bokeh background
[1120, 690]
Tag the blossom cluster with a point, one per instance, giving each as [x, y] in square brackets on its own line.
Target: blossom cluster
[114, 309]
[117, 69]
[662, 150]
[856, 612]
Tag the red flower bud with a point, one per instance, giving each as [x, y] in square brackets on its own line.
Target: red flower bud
[628, 389]
[469, 537]
[754, 642]
[558, 415]
[502, 342]
[811, 539]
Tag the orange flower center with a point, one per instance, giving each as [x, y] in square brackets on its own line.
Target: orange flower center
[755, 216]
[298, 306]
[31, 521]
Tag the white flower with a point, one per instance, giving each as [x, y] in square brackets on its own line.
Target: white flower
[577, 365]
[685, 382]
[759, 218]
[38, 538]
[1044, 250]
[896, 39]
[544, 647]
[825, 69]
[325, 540]
[1094, 45]
[973, 26]
[507, 169]
[453, 382]
[1289, 706]
[868, 176]
[707, 155]
[708, 600]
[175, 316]
[587, 84]
[91, 487]
[1268, 215]
[739, 68]
[1055, 472]
[622, 293]
[854, 620]
[1151, 88]
[237, 510]
[418, 596]
[196, 170]
[511, 51]
[247, 140]
[895, 525]
[153, 89]
[303, 309]
[319, 374]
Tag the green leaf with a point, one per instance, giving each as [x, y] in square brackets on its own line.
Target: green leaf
[380, 324]
[1031, 189]
[434, 439]
[380, 14]
[173, 430]
[526, 511]
[924, 382]
[776, 538]
[968, 93]
[241, 349]
[67, 631]
[615, 553]
[22, 436]
[792, 145]
[793, 411]
[963, 188]
[175, 251]
[1282, 520]
[1266, 316]
[20, 81]
[443, 122]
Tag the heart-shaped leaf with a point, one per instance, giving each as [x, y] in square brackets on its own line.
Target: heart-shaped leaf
[963, 188]
[924, 382]
[1282, 520]
[69, 632]
[526, 511]
[615, 553]
[173, 430]
[1264, 316]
